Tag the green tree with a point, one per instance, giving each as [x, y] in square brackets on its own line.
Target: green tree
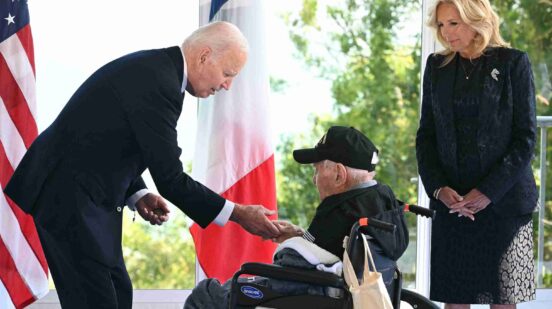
[159, 256]
[375, 82]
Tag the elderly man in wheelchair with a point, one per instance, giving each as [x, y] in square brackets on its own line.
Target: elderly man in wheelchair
[344, 161]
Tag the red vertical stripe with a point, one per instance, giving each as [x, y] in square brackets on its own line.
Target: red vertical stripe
[26, 222]
[14, 283]
[16, 105]
[257, 187]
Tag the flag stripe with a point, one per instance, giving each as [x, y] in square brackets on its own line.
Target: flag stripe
[21, 69]
[28, 266]
[15, 104]
[245, 191]
[26, 38]
[10, 138]
[26, 221]
[5, 300]
[5, 167]
[11, 279]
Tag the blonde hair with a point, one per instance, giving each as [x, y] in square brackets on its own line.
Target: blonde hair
[477, 14]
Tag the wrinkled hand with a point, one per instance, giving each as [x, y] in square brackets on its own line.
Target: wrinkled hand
[474, 201]
[454, 202]
[153, 209]
[287, 230]
[253, 218]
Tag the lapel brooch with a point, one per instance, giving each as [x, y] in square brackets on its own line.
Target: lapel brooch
[494, 74]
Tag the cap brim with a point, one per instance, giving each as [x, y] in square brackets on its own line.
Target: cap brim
[307, 156]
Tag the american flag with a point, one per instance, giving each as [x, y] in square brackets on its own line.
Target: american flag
[23, 268]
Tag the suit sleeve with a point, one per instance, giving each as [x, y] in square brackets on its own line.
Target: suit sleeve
[135, 186]
[505, 172]
[429, 166]
[153, 117]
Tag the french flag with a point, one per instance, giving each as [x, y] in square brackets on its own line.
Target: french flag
[234, 155]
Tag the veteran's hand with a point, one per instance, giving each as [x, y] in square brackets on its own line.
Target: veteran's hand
[287, 230]
[153, 209]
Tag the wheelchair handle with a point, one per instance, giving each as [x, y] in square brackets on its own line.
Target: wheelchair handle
[419, 210]
[364, 222]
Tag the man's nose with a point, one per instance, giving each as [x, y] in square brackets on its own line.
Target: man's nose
[227, 83]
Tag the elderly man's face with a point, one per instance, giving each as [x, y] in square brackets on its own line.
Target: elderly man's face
[324, 178]
[216, 73]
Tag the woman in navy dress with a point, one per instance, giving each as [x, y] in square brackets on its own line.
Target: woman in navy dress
[474, 148]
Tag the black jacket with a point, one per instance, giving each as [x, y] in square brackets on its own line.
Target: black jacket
[337, 213]
[506, 131]
[121, 121]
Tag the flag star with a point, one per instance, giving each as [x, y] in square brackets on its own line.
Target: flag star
[10, 19]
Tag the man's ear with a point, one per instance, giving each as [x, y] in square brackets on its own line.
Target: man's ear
[204, 54]
[341, 175]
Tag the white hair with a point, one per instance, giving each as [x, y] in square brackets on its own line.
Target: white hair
[355, 176]
[219, 36]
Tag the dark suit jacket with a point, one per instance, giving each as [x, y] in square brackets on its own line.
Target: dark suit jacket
[121, 121]
[506, 131]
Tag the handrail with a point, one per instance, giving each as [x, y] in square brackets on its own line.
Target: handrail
[543, 122]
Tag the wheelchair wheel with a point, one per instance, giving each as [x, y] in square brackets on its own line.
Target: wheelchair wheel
[416, 300]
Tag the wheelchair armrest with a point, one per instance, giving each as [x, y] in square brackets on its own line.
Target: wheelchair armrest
[291, 274]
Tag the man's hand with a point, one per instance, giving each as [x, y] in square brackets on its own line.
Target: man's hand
[153, 209]
[253, 218]
[287, 230]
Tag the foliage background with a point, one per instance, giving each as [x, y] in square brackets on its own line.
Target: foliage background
[375, 75]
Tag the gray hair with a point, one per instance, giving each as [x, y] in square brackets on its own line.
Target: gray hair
[357, 176]
[219, 36]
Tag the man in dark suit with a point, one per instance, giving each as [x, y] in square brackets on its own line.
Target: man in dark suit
[80, 172]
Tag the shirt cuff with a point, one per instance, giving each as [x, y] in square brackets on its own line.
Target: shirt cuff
[224, 214]
[131, 200]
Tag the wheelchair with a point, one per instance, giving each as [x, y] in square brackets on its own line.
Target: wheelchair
[248, 294]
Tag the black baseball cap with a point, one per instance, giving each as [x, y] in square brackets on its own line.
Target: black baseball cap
[345, 145]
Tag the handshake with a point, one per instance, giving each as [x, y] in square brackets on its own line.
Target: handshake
[253, 218]
[287, 230]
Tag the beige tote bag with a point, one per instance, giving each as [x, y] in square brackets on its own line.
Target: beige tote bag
[370, 293]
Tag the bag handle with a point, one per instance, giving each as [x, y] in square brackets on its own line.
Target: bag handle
[368, 260]
[348, 269]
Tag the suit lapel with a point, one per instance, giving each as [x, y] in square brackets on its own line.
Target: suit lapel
[443, 78]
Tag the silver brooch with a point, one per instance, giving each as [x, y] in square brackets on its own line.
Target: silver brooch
[494, 74]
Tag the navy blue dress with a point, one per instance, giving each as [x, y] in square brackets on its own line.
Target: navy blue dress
[490, 259]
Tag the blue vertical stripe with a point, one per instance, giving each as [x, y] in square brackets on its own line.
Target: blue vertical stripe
[215, 7]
